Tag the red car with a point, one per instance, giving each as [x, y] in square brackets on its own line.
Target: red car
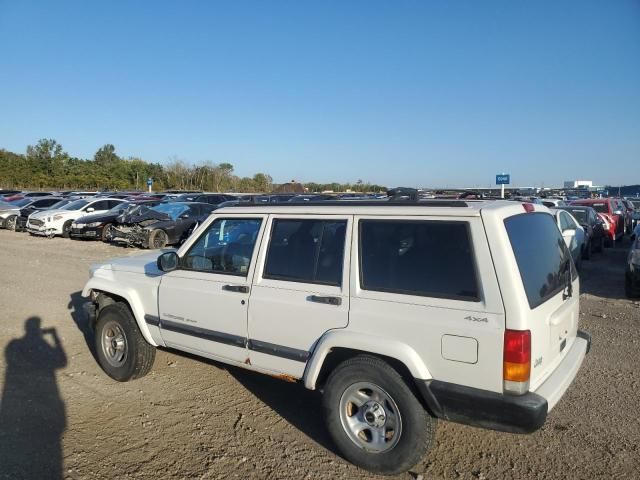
[609, 209]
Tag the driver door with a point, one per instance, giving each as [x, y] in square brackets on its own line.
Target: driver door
[203, 304]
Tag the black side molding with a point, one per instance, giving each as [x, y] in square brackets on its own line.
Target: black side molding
[481, 408]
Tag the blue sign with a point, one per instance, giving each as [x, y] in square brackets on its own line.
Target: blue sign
[149, 182]
[503, 179]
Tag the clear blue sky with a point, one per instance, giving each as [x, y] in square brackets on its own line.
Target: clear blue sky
[419, 93]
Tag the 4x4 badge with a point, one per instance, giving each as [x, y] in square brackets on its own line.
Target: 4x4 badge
[477, 319]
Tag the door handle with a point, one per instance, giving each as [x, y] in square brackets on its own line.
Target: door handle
[327, 300]
[236, 288]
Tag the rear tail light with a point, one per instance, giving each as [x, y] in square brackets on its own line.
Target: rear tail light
[517, 361]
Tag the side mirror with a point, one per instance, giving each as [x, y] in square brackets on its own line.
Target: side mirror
[168, 261]
[90, 209]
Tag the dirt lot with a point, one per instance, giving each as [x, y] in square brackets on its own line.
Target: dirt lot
[61, 417]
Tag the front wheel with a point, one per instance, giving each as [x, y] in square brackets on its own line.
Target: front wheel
[158, 239]
[374, 417]
[122, 351]
[66, 228]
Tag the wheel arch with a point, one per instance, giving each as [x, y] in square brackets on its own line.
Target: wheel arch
[130, 298]
[337, 346]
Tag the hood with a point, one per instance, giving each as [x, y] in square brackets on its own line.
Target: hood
[146, 214]
[144, 264]
[46, 213]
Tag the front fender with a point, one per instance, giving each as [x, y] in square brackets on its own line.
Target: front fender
[132, 298]
[367, 344]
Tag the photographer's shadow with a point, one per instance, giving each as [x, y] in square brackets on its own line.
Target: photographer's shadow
[32, 413]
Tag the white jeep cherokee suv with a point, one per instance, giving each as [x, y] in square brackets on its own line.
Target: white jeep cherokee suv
[58, 222]
[400, 312]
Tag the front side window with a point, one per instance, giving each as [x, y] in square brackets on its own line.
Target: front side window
[226, 247]
[426, 258]
[308, 251]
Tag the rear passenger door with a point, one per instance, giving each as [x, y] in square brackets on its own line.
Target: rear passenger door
[300, 289]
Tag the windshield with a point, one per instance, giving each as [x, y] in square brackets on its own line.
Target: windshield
[22, 202]
[75, 205]
[540, 253]
[121, 207]
[174, 210]
[580, 215]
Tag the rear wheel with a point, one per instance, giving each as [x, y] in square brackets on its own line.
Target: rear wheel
[158, 239]
[66, 228]
[374, 417]
[122, 351]
[10, 223]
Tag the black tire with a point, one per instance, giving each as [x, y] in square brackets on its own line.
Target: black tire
[417, 428]
[629, 291]
[158, 239]
[105, 232]
[10, 223]
[66, 228]
[117, 320]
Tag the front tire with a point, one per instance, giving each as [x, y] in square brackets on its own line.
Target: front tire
[374, 418]
[158, 239]
[122, 351]
[66, 228]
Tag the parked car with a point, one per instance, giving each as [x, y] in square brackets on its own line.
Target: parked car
[614, 217]
[97, 225]
[399, 314]
[27, 204]
[58, 222]
[310, 198]
[572, 233]
[7, 210]
[25, 212]
[21, 195]
[553, 202]
[159, 226]
[635, 204]
[593, 226]
[632, 274]
[212, 198]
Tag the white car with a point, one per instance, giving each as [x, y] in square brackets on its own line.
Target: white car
[573, 234]
[401, 313]
[58, 222]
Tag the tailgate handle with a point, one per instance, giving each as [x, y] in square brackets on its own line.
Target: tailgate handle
[236, 288]
[328, 300]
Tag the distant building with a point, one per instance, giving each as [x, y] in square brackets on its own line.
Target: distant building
[578, 184]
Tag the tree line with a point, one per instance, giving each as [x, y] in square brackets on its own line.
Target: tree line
[46, 165]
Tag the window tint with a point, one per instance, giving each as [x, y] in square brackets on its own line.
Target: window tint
[100, 205]
[581, 215]
[540, 253]
[226, 247]
[309, 251]
[565, 221]
[427, 258]
[45, 202]
[113, 203]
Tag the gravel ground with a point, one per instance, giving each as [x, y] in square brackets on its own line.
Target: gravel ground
[61, 417]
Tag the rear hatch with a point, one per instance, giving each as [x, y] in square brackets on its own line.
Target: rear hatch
[539, 284]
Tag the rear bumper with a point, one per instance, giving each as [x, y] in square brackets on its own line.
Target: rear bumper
[508, 413]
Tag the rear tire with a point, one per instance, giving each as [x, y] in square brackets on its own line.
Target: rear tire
[389, 431]
[66, 228]
[105, 232]
[122, 351]
[158, 239]
[10, 223]
[629, 291]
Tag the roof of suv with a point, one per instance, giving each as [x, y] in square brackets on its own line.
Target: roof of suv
[467, 208]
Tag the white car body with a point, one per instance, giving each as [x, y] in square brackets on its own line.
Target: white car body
[572, 232]
[277, 327]
[54, 222]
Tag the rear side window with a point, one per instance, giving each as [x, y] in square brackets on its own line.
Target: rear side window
[426, 258]
[308, 251]
[540, 253]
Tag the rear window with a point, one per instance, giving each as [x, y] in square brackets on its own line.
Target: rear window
[426, 258]
[540, 253]
[600, 207]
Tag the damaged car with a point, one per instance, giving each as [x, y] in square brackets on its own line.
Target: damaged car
[96, 227]
[159, 226]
